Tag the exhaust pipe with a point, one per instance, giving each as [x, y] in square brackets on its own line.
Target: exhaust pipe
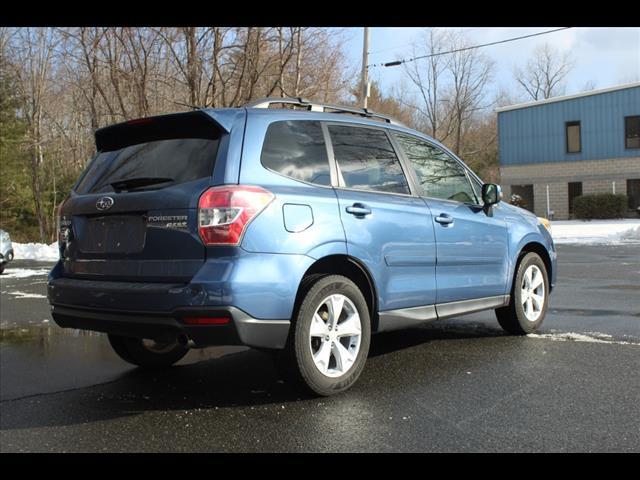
[185, 341]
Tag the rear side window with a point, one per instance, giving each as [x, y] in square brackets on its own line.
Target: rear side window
[366, 159]
[297, 149]
[439, 174]
[180, 160]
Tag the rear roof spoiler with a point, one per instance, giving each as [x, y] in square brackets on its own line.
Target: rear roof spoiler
[195, 124]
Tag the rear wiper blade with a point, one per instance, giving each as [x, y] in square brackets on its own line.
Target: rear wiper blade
[131, 183]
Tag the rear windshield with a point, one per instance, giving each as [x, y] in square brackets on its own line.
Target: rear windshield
[178, 160]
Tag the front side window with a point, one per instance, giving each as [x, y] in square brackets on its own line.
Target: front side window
[296, 149]
[573, 137]
[440, 175]
[366, 159]
[632, 132]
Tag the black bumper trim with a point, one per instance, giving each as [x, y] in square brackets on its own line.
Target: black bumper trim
[241, 330]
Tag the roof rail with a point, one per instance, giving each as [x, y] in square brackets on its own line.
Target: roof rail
[320, 107]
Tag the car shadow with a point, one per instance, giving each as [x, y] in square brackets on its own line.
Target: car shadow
[244, 379]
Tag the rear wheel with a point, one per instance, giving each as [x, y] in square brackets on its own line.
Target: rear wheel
[529, 297]
[147, 353]
[330, 340]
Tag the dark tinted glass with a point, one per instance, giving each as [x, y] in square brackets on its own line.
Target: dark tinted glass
[439, 174]
[297, 149]
[181, 159]
[632, 132]
[573, 137]
[367, 160]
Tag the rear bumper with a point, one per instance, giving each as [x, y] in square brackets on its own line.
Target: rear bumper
[242, 329]
[256, 291]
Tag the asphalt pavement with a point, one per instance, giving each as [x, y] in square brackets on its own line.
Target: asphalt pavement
[454, 385]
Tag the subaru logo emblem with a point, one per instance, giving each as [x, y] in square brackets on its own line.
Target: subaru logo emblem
[105, 203]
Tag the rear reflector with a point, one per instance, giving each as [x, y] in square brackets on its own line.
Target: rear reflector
[206, 320]
[224, 212]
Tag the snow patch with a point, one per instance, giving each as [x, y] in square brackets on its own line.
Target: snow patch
[36, 251]
[18, 294]
[24, 272]
[596, 232]
[595, 337]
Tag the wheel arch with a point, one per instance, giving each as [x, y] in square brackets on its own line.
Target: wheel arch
[347, 266]
[539, 249]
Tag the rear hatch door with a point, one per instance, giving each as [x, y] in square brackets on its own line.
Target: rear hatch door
[132, 215]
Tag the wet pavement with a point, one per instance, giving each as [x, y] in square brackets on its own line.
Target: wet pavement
[454, 385]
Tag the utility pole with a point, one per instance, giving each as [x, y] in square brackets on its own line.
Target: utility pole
[364, 80]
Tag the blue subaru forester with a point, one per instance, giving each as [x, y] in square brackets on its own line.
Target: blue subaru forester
[300, 231]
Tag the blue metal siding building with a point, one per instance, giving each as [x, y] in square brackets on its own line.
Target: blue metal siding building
[533, 148]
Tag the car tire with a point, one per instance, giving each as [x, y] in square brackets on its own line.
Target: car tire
[2, 269]
[313, 359]
[147, 354]
[529, 297]
[9, 256]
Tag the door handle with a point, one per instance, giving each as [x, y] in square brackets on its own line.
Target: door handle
[359, 210]
[444, 219]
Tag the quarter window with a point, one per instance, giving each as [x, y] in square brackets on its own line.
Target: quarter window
[440, 175]
[632, 132]
[367, 160]
[296, 149]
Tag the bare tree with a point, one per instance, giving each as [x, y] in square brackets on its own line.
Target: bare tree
[470, 72]
[428, 77]
[33, 52]
[545, 72]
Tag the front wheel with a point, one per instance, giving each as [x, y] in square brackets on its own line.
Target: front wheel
[330, 339]
[147, 353]
[529, 297]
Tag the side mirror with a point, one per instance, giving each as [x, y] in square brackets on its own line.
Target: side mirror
[491, 194]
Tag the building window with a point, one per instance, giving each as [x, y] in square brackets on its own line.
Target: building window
[633, 193]
[575, 190]
[522, 196]
[573, 137]
[632, 132]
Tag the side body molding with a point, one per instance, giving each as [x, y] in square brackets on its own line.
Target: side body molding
[415, 316]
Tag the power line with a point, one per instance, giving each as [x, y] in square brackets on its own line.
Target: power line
[386, 49]
[400, 62]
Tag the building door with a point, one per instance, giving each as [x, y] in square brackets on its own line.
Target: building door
[525, 192]
[575, 190]
[633, 192]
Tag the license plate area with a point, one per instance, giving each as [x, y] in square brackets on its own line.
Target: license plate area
[122, 234]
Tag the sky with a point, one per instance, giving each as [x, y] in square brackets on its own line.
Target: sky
[603, 57]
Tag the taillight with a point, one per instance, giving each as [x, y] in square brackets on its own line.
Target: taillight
[224, 212]
[64, 225]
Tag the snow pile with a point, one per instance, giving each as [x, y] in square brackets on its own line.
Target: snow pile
[24, 272]
[596, 232]
[36, 251]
